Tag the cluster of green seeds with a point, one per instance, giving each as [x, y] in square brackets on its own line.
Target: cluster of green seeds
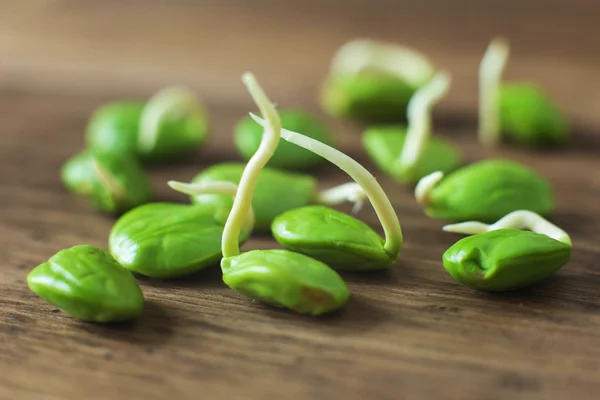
[500, 204]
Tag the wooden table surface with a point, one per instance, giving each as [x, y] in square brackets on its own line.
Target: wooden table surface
[408, 333]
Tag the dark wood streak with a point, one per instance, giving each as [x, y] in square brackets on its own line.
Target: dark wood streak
[407, 333]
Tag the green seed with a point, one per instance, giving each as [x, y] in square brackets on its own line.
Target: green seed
[384, 145]
[165, 240]
[282, 278]
[330, 236]
[373, 80]
[114, 128]
[112, 183]
[87, 283]
[505, 259]
[277, 277]
[488, 190]
[248, 135]
[276, 191]
[529, 117]
[368, 96]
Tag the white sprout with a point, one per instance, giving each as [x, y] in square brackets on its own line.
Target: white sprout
[400, 61]
[351, 192]
[107, 181]
[490, 78]
[383, 208]
[173, 100]
[218, 187]
[425, 186]
[419, 118]
[242, 203]
[521, 219]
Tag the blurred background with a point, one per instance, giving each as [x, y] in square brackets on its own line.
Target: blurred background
[115, 48]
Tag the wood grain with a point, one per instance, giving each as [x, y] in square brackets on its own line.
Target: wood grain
[408, 333]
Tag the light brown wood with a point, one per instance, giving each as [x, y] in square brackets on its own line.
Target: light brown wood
[409, 333]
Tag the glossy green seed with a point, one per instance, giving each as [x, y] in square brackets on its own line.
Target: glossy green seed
[337, 239]
[166, 240]
[87, 283]
[112, 183]
[488, 190]
[528, 116]
[505, 259]
[248, 135]
[114, 128]
[276, 191]
[368, 96]
[286, 279]
[384, 145]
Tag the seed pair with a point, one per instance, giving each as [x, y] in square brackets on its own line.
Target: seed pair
[122, 137]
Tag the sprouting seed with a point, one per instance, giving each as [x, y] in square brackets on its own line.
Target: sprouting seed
[521, 111]
[112, 183]
[373, 81]
[407, 153]
[277, 277]
[486, 191]
[337, 239]
[173, 122]
[502, 256]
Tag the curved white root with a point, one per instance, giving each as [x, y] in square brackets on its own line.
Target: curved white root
[268, 144]
[351, 192]
[425, 186]
[521, 219]
[419, 118]
[400, 61]
[222, 187]
[385, 212]
[490, 78]
[175, 100]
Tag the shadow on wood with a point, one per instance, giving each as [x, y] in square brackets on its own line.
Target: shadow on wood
[153, 328]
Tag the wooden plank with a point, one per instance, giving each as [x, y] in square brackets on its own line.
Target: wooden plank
[409, 333]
